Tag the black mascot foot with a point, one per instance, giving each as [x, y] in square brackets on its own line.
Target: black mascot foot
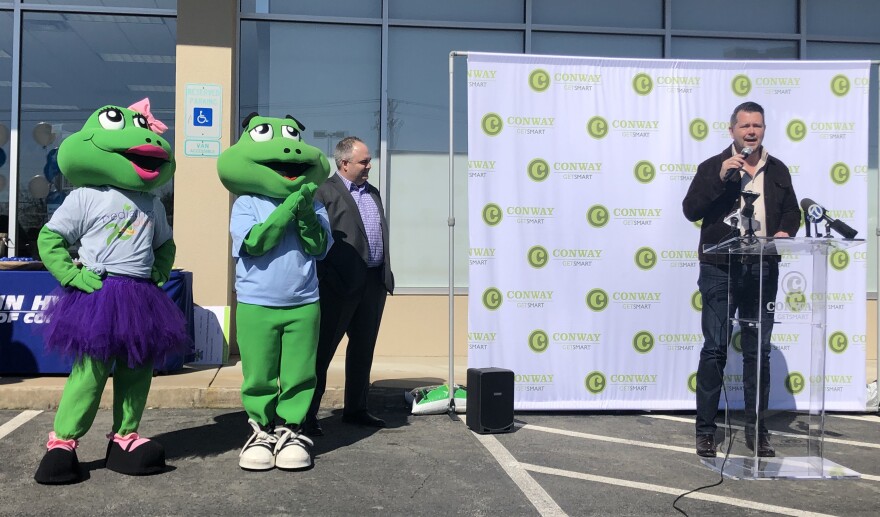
[134, 456]
[59, 466]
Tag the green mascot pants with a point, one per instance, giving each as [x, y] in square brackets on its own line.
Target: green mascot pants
[278, 346]
[82, 394]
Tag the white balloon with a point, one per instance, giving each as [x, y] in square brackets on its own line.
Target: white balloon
[43, 134]
[39, 187]
[4, 135]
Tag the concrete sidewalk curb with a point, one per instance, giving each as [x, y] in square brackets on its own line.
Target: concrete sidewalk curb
[214, 387]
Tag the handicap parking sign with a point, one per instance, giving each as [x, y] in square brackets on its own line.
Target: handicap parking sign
[203, 105]
[203, 117]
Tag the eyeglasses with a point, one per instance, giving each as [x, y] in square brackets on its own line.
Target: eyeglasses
[362, 162]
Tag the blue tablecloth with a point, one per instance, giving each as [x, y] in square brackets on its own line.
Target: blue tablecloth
[24, 296]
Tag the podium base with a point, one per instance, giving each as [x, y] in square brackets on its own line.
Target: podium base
[806, 467]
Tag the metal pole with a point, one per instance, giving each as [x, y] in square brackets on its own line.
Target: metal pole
[14, 132]
[450, 221]
[877, 238]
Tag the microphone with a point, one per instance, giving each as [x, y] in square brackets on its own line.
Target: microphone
[733, 170]
[815, 213]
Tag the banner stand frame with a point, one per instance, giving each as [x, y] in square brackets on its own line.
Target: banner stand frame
[450, 221]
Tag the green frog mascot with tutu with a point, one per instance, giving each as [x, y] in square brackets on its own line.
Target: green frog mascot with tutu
[111, 316]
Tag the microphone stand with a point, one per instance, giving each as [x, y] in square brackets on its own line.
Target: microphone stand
[748, 210]
[734, 221]
[827, 229]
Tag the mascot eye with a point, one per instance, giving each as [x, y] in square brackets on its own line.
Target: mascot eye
[111, 119]
[261, 133]
[141, 121]
[291, 132]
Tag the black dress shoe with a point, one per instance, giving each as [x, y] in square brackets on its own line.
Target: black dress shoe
[311, 427]
[765, 450]
[706, 445]
[363, 418]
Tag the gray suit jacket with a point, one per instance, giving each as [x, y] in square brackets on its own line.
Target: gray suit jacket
[345, 266]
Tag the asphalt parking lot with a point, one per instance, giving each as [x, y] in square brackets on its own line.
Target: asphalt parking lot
[622, 463]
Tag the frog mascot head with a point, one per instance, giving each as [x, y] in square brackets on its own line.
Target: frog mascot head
[278, 233]
[118, 147]
[271, 159]
[110, 314]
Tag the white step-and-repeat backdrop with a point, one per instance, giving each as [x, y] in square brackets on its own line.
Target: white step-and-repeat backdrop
[583, 269]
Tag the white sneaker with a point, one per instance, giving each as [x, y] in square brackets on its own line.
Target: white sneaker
[258, 452]
[292, 451]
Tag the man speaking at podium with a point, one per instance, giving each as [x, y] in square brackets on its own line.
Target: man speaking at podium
[715, 196]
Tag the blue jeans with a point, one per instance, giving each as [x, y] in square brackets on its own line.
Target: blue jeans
[716, 315]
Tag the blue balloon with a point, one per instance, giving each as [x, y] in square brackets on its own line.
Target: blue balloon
[51, 170]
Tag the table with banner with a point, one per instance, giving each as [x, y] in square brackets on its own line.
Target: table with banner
[577, 171]
[25, 295]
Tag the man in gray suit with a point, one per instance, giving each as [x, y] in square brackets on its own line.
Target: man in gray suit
[354, 280]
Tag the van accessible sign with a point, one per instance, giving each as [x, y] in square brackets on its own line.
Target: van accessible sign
[203, 104]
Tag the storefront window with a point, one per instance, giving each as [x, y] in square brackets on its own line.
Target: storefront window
[596, 45]
[145, 4]
[643, 14]
[332, 88]
[778, 16]
[341, 8]
[418, 138]
[73, 64]
[5, 120]
[495, 11]
[721, 48]
[847, 18]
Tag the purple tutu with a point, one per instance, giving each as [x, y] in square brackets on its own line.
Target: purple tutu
[127, 318]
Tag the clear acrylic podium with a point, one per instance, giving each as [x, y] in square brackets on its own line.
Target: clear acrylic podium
[797, 435]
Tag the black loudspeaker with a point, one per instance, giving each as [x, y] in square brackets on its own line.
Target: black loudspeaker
[490, 400]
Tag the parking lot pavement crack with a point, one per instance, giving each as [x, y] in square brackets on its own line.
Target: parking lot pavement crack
[421, 486]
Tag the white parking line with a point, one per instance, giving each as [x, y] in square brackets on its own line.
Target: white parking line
[864, 418]
[17, 421]
[532, 490]
[651, 445]
[775, 433]
[671, 491]
[599, 437]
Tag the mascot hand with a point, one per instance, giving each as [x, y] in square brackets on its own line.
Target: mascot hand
[86, 281]
[292, 202]
[158, 277]
[306, 205]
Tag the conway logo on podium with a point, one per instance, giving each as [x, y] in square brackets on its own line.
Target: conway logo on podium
[795, 383]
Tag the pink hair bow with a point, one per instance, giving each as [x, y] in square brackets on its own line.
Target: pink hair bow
[143, 107]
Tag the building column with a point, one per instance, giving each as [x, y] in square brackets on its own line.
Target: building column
[206, 55]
